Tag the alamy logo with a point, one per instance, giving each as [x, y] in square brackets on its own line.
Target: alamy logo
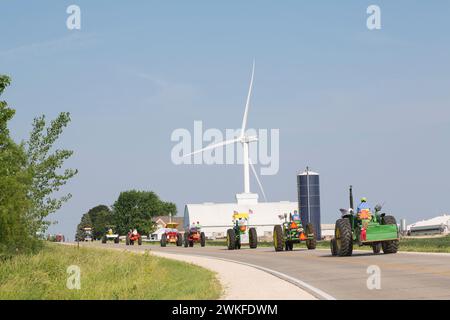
[74, 19]
[374, 20]
[227, 148]
[374, 280]
[74, 278]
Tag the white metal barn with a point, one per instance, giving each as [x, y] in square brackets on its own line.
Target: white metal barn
[216, 218]
[436, 225]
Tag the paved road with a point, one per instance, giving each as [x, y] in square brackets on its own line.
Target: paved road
[403, 275]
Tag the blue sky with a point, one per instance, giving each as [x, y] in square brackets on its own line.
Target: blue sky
[368, 108]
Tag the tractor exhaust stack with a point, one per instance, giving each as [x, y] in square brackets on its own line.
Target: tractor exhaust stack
[351, 197]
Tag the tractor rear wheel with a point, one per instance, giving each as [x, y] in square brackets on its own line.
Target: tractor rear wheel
[231, 239]
[376, 247]
[390, 246]
[117, 240]
[253, 238]
[202, 239]
[179, 240]
[104, 239]
[191, 243]
[164, 240]
[278, 238]
[333, 247]
[344, 237]
[310, 243]
[127, 240]
[186, 242]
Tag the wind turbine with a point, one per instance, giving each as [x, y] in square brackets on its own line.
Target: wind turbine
[245, 140]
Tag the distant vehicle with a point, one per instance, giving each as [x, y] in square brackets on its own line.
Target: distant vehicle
[378, 230]
[194, 235]
[171, 235]
[110, 235]
[60, 238]
[132, 237]
[241, 233]
[87, 235]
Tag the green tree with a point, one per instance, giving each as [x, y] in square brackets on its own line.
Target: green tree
[135, 209]
[85, 222]
[102, 218]
[44, 166]
[15, 181]
[28, 178]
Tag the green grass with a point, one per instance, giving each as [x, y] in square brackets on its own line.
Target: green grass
[105, 274]
[438, 244]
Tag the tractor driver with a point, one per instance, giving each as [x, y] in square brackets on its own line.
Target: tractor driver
[363, 210]
[198, 226]
[296, 219]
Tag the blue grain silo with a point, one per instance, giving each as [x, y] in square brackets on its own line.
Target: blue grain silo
[309, 199]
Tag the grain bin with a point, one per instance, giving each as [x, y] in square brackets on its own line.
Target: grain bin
[308, 189]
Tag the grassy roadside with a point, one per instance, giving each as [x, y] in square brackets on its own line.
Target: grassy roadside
[437, 244]
[105, 274]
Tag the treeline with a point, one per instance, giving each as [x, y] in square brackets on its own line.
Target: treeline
[30, 172]
[132, 210]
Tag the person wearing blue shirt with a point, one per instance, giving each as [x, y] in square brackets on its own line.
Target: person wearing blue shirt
[363, 205]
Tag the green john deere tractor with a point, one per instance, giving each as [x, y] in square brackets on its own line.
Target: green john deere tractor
[378, 230]
[291, 231]
[240, 232]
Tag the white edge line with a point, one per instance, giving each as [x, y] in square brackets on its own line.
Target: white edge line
[301, 284]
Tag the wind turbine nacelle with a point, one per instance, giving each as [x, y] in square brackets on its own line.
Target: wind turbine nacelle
[248, 139]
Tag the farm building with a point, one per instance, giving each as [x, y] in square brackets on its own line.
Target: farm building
[436, 225]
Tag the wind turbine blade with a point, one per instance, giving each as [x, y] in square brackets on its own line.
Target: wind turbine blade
[247, 104]
[257, 179]
[213, 146]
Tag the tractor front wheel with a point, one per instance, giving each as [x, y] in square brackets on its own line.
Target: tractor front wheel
[164, 240]
[202, 239]
[310, 243]
[185, 239]
[289, 246]
[376, 247]
[253, 238]
[333, 247]
[344, 237]
[179, 240]
[390, 246]
[278, 238]
[231, 239]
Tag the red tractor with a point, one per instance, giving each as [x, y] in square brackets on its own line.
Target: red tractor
[193, 235]
[171, 235]
[132, 237]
